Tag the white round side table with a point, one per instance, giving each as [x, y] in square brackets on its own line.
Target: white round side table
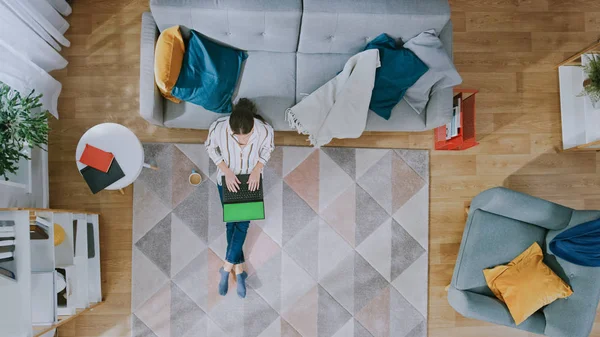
[123, 144]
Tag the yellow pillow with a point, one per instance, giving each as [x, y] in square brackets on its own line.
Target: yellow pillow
[526, 284]
[168, 57]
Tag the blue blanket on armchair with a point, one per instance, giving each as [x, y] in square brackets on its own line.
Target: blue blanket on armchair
[579, 245]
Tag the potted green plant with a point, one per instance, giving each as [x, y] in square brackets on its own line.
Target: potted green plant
[22, 127]
[591, 85]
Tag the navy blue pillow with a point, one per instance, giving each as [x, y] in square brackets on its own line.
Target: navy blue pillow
[209, 74]
[400, 69]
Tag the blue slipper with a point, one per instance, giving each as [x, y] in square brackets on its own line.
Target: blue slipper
[241, 284]
[224, 283]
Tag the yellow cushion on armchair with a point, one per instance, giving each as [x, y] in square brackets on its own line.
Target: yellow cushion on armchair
[526, 284]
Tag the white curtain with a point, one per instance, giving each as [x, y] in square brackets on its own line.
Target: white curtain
[31, 35]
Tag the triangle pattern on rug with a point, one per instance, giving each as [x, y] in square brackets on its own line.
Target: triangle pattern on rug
[418, 160]
[303, 250]
[412, 284]
[272, 224]
[331, 315]
[185, 245]
[193, 211]
[147, 278]
[159, 181]
[365, 158]
[181, 170]
[303, 314]
[344, 157]
[288, 331]
[405, 250]
[414, 218]
[258, 315]
[295, 282]
[275, 163]
[369, 215]
[375, 316]
[405, 183]
[347, 330]
[273, 330]
[304, 180]
[333, 181]
[367, 282]
[156, 312]
[339, 283]
[147, 210]
[376, 182]
[258, 249]
[419, 331]
[332, 249]
[184, 312]
[213, 329]
[215, 225]
[361, 331]
[296, 214]
[156, 245]
[341, 214]
[139, 328]
[193, 280]
[293, 156]
[377, 249]
[403, 316]
[266, 281]
[198, 155]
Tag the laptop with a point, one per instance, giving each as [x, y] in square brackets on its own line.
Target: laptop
[243, 205]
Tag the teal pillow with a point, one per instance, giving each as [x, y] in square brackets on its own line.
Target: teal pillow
[209, 74]
[400, 69]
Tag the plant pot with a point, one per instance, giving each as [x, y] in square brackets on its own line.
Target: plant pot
[587, 82]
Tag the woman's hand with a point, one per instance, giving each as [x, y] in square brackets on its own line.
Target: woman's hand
[254, 179]
[233, 183]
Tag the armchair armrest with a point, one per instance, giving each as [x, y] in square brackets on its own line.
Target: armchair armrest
[151, 101]
[522, 207]
[489, 309]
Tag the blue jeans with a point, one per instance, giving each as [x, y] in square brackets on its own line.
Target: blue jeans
[236, 235]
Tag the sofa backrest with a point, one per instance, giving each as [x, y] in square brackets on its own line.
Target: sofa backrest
[345, 26]
[266, 25]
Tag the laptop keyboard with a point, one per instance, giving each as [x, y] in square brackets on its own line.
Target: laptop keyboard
[243, 194]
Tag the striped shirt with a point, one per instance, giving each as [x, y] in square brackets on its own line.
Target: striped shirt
[222, 146]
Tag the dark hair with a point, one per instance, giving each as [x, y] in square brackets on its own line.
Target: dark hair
[242, 117]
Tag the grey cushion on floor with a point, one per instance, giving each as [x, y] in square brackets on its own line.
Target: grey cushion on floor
[501, 225]
[273, 94]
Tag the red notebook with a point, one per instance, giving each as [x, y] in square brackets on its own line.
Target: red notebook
[96, 158]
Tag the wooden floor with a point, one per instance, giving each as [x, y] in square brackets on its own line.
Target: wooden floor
[505, 48]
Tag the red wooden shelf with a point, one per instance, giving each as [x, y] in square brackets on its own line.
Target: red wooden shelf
[466, 132]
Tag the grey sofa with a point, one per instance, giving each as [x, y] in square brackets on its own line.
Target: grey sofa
[294, 47]
[503, 223]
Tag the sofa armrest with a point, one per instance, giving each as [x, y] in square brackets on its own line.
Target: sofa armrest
[522, 207]
[438, 111]
[151, 101]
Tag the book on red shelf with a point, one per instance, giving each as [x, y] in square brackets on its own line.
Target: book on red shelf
[96, 158]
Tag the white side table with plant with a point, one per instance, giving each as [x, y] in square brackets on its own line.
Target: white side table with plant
[23, 127]
[579, 81]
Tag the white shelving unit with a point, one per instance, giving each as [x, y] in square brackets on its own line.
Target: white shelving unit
[35, 267]
[580, 118]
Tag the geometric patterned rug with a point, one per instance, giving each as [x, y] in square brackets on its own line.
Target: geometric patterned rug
[342, 252]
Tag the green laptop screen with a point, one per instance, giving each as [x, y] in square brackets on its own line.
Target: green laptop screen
[245, 211]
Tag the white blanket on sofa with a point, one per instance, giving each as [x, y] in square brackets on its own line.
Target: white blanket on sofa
[339, 108]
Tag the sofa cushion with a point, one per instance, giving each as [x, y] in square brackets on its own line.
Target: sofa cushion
[267, 78]
[267, 25]
[490, 240]
[169, 53]
[314, 70]
[345, 26]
